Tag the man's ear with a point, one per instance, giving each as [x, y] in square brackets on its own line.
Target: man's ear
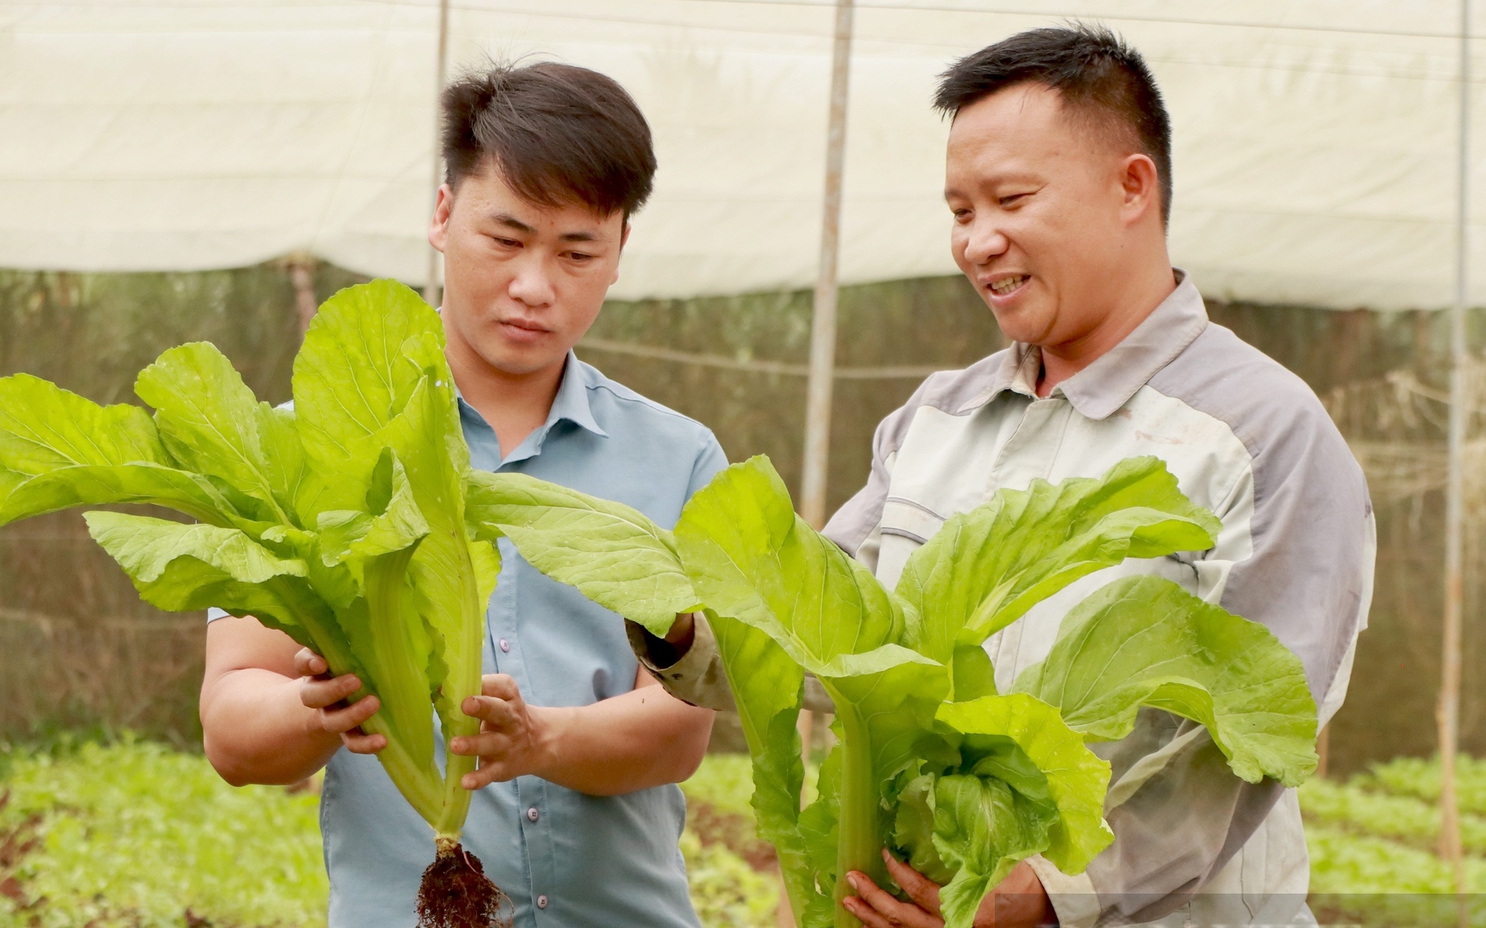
[1141, 185]
[438, 226]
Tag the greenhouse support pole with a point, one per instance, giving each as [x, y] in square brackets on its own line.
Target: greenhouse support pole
[823, 312]
[302, 273]
[822, 373]
[1449, 704]
[431, 294]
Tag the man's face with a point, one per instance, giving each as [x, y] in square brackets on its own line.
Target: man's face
[522, 282]
[1038, 206]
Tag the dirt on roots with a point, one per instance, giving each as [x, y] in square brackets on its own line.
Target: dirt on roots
[456, 893]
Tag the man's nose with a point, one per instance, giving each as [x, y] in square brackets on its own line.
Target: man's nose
[985, 241]
[532, 283]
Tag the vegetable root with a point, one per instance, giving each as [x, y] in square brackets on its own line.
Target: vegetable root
[456, 893]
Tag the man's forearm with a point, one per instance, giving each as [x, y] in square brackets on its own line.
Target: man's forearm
[641, 739]
[255, 729]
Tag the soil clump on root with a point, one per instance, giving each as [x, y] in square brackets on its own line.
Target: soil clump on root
[456, 893]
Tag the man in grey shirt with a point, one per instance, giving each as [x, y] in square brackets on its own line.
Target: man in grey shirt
[1059, 180]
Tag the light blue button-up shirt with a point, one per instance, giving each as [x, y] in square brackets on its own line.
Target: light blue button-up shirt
[567, 860]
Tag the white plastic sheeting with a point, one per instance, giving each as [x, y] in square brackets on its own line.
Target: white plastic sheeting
[1314, 160]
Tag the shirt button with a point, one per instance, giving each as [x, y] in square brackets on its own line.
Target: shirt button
[541, 902]
[533, 814]
[505, 645]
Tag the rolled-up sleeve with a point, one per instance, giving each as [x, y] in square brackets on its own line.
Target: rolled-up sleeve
[696, 676]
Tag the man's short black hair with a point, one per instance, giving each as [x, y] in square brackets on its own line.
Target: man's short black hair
[557, 133]
[1092, 69]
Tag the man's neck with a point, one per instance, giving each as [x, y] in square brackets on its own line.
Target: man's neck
[1139, 299]
[514, 405]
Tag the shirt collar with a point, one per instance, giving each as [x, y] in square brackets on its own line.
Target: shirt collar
[570, 404]
[1113, 378]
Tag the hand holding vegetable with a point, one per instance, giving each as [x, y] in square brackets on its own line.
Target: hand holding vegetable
[1019, 901]
[327, 695]
[511, 742]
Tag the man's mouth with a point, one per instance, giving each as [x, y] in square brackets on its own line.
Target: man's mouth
[1005, 285]
[524, 324]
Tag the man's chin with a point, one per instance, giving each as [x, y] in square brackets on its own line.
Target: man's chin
[1021, 325]
[520, 364]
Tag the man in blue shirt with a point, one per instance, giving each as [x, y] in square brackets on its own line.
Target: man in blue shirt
[576, 815]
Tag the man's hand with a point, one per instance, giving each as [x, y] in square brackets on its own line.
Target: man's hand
[511, 742]
[1018, 902]
[327, 695]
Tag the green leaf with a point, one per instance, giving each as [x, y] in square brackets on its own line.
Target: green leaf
[144, 546]
[448, 574]
[394, 523]
[981, 829]
[212, 424]
[43, 428]
[387, 635]
[1146, 641]
[985, 568]
[913, 829]
[180, 567]
[612, 553]
[58, 450]
[751, 558]
[1019, 782]
[754, 561]
[1075, 778]
[93, 485]
[354, 374]
[819, 831]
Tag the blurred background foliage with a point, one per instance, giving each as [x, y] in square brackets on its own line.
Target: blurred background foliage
[79, 651]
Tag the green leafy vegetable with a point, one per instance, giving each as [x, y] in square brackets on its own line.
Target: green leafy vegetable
[341, 522]
[1145, 641]
[618, 558]
[930, 760]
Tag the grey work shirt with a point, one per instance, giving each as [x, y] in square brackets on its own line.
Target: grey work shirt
[1246, 439]
[567, 860]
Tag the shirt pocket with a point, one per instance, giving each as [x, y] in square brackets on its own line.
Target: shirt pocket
[905, 527]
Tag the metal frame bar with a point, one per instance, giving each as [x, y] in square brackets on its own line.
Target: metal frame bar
[823, 311]
[431, 288]
[1448, 711]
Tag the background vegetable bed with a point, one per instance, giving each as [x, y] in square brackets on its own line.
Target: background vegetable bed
[94, 834]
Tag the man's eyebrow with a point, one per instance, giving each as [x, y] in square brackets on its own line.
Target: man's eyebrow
[1011, 177]
[511, 222]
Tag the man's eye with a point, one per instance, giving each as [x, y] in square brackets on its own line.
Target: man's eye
[579, 256]
[506, 242]
[1013, 199]
[961, 215]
